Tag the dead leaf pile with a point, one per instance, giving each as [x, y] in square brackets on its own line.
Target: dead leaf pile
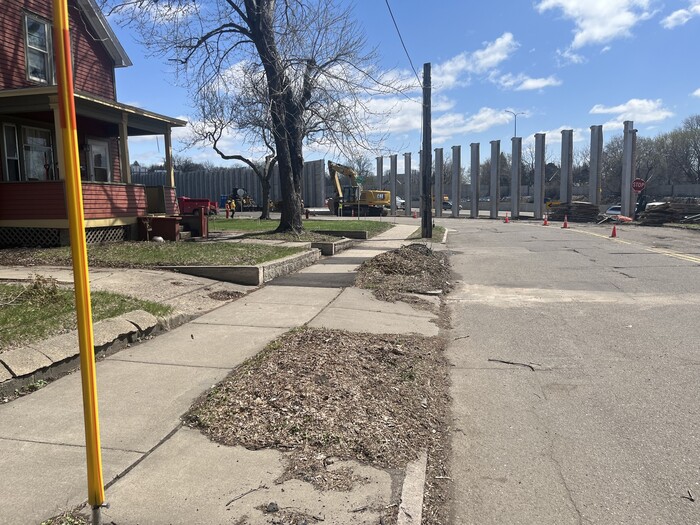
[413, 268]
[331, 394]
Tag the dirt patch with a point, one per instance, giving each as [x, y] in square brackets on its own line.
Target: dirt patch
[225, 295]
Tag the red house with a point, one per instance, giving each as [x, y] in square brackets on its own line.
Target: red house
[32, 185]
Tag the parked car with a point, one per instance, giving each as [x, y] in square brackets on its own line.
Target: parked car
[400, 203]
[614, 210]
[447, 205]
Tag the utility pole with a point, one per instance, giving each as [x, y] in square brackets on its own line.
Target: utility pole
[426, 158]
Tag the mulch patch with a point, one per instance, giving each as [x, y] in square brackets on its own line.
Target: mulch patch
[324, 396]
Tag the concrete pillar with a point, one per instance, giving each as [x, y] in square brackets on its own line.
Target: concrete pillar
[392, 182]
[515, 176]
[380, 173]
[407, 182]
[629, 147]
[437, 192]
[475, 168]
[566, 186]
[539, 175]
[456, 179]
[595, 172]
[495, 190]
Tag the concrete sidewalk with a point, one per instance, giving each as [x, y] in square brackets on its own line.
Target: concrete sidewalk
[155, 470]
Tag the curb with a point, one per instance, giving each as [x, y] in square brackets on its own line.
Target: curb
[251, 275]
[411, 506]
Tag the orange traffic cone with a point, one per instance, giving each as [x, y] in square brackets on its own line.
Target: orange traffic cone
[566, 222]
[545, 222]
[507, 220]
[614, 232]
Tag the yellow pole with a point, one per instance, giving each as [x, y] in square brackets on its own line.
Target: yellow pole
[76, 223]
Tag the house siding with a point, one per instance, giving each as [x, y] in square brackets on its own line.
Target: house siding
[46, 200]
[94, 69]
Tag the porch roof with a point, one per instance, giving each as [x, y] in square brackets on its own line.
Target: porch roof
[39, 99]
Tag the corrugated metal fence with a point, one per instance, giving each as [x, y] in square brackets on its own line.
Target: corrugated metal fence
[212, 184]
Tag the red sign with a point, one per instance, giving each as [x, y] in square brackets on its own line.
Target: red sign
[638, 185]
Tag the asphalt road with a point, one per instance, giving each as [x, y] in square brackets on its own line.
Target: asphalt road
[598, 418]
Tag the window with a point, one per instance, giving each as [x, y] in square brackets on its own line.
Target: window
[11, 164]
[39, 50]
[38, 154]
[98, 160]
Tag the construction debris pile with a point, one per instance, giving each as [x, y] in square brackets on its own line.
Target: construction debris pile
[678, 210]
[574, 212]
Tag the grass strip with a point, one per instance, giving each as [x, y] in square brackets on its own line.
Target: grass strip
[269, 226]
[152, 254]
[33, 312]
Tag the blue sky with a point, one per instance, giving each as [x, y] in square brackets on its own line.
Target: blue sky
[563, 64]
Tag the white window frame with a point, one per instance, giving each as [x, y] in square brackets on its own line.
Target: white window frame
[46, 149]
[6, 157]
[93, 143]
[47, 53]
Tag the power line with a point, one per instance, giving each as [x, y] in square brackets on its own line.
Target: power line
[402, 43]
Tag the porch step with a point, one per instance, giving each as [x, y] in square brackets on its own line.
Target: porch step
[184, 235]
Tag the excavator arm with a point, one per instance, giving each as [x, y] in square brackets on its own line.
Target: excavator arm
[334, 169]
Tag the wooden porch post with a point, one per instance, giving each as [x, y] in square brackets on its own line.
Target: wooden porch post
[124, 149]
[53, 104]
[169, 156]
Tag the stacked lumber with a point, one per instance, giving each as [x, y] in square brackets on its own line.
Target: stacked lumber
[574, 211]
[674, 211]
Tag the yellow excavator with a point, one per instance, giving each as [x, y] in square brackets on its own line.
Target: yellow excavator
[352, 199]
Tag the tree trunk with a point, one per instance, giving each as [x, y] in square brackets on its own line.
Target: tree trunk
[265, 183]
[281, 101]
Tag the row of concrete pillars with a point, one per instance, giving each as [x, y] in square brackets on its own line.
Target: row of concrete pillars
[566, 175]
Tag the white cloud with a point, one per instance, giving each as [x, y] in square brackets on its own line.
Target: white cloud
[494, 53]
[696, 93]
[599, 21]
[567, 56]
[682, 16]
[484, 119]
[638, 110]
[523, 82]
[451, 73]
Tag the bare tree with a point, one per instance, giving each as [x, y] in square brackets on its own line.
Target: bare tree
[222, 111]
[683, 151]
[317, 77]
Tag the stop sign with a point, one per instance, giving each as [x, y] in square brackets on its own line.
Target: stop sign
[638, 185]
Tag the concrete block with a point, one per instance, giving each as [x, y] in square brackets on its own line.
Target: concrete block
[4, 374]
[59, 347]
[289, 264]
[331, 248]
[24, 361]
[108, 330]
[142, 319]
[41, 480]
[411, 507]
